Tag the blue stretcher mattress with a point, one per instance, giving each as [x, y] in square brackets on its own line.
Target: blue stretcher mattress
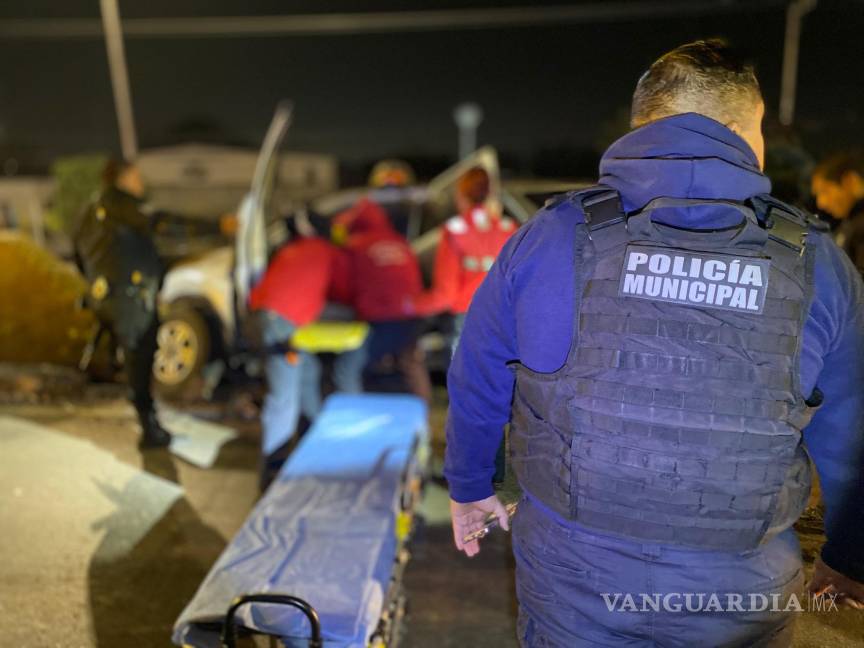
[323, 531]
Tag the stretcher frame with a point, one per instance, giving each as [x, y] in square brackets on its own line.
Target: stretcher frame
[387, 633]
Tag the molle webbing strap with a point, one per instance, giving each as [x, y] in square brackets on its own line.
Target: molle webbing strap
[651, 434]
[619, 395]
[684, 366]
[676, 330]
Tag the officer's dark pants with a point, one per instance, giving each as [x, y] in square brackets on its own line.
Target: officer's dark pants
[562, 573]
[138, 358]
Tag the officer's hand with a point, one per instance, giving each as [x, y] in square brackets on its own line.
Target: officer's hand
[471, 517]
[828, 581]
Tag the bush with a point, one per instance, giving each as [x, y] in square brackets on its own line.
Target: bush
[38, 318]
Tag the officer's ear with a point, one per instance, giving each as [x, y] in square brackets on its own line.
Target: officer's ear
[752, 134]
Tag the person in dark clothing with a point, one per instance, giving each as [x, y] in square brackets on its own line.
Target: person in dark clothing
[838, 187]
[671, 348]
[114, 250]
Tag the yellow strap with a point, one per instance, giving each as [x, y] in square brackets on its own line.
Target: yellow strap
[403, 524]
[330, 337]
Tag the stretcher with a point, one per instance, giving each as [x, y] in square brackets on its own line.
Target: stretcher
[319, 560]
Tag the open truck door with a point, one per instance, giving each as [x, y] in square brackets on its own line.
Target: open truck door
[251, 246]
[203, 300]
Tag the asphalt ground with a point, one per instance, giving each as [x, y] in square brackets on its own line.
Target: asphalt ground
[96, 571]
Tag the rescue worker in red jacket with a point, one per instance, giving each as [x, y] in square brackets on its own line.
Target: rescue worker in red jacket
[385, 276]
[293, 292]
[470, 242]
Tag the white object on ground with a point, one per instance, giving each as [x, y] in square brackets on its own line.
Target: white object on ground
[195, 440]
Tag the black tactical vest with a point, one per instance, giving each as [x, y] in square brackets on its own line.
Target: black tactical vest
[677, 416]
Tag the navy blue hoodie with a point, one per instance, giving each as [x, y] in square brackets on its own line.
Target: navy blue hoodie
[524, 311]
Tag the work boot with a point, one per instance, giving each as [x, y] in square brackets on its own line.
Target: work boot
[153, 435]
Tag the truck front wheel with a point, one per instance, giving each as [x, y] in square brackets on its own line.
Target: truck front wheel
[183, 348]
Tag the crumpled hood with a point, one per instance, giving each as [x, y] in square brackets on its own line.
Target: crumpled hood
[683, 156]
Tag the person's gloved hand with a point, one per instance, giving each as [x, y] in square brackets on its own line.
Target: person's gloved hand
[471, 516]
[829, 581]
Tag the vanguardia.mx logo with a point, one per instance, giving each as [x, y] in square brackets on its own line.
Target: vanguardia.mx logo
[733, 602]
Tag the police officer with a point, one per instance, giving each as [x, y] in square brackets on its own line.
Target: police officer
[660, 344]
[114, 250]
[838, 186]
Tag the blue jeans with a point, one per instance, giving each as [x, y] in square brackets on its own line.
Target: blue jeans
[563, 572]
[348, 370]
[293, 388]
[384, 338]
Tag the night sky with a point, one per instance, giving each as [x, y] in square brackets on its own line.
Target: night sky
[549, 88]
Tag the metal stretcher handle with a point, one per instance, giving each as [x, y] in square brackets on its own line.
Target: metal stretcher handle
[229, 630]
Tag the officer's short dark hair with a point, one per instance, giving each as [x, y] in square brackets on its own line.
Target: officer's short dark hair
[834, 167]
[706, 77]
[113, 169]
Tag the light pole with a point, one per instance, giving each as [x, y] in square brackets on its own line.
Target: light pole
[468, 117]
[119, 78]
[795, 12]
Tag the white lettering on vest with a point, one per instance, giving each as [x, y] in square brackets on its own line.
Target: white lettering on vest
[697, 292]
[751, 275]
[636, 259]
[717, 280]
[659, 264]
[714, 270]
[634, 284]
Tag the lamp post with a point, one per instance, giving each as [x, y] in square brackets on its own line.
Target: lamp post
[119, 78]
[468, 117]
[795, 12]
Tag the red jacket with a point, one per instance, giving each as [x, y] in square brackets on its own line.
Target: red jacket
[385, 273]
[300, 279]
[469, 245]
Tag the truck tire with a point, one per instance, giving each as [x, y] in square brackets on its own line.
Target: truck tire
[183, 348]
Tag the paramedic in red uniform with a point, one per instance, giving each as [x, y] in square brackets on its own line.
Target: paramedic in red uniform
[469, 245]
[293, 292]
[385, 276]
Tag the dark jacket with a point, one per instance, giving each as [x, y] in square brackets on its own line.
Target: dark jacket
[114, 250]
